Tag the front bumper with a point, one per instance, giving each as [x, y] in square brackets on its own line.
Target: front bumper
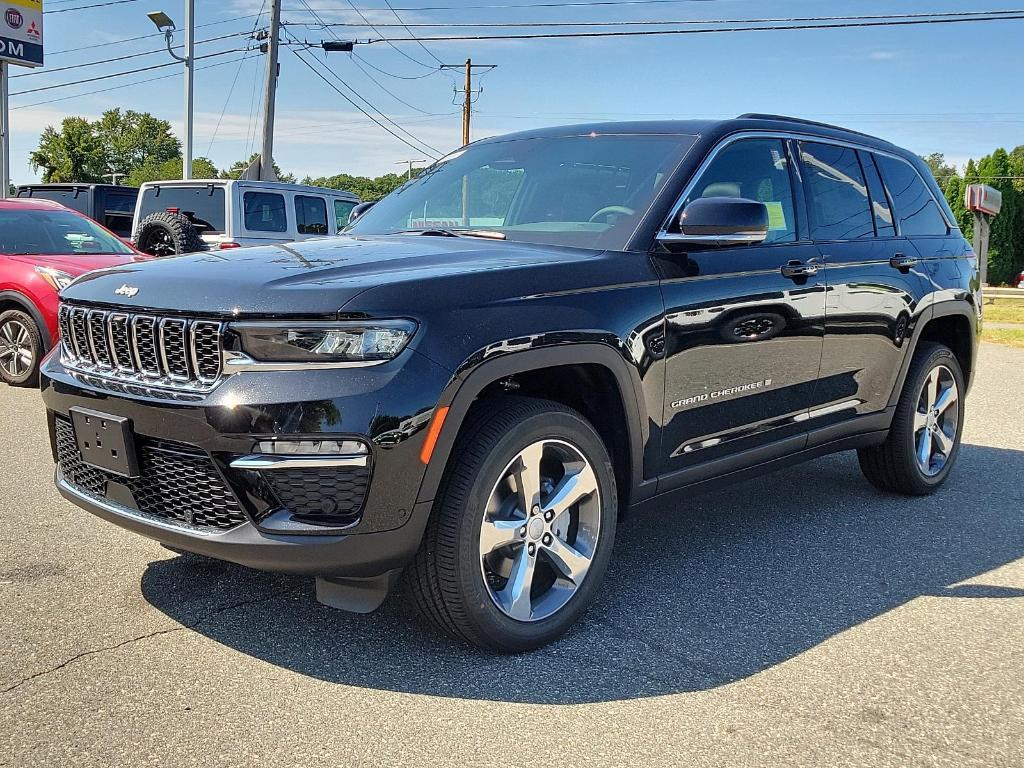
[387, 407]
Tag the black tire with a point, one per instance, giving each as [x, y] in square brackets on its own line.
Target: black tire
[893, 465]
[19, 335]
[446, 581]
[167, 234]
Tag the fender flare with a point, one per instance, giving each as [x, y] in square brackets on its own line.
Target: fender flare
[950, 308]
[27, 305]
[460, 394]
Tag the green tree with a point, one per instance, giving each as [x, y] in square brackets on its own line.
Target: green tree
[368, 190]
[238, 168]
[74, 153]
[202, 168]
[133, 139]
[942, 171]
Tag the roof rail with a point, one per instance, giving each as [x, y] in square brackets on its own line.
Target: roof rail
[802, 121]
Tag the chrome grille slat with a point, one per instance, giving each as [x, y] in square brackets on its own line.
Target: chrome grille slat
[173, 353]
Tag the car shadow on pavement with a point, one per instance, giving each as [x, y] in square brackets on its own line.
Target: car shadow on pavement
[702, 591]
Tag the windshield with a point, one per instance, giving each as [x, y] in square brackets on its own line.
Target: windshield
[55, 233]
[202, 205]
[583, 191]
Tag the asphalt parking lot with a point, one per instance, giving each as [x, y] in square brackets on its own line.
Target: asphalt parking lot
[799, 619]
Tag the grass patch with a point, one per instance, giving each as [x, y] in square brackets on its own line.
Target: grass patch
[1010, 337]
[1004, 312]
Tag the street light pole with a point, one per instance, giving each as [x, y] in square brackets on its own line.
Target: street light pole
[186, 165]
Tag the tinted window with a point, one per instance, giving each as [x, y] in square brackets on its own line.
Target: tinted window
[837, 195]
[264, 212]
[75, 199]
[310, 215]
[118, 211]
[204, 206]
[586, 191]
[54, 232]
[342, 209]
[915, 208]
[755, 169]
[879, 202]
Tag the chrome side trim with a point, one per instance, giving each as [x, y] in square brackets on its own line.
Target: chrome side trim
[88, 500]
[737, 239]
[263, 461]
[828, 410]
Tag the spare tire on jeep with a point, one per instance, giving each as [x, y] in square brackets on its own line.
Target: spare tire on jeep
[167, 234]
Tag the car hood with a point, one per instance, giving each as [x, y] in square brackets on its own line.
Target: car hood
[73, 264]
[313, 277]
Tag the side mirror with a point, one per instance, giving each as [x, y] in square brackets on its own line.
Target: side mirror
[359, 210]
[721, 221]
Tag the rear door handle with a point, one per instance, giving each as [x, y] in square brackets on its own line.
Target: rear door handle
[796, 270]
[902, 263]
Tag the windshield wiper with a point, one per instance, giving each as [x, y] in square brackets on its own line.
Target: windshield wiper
[487, 234]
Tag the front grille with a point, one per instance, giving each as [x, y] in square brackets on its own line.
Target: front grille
[176, 483]
[168, 352]
[321, 495]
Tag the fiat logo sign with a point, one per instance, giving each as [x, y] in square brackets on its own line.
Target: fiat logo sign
[14, 18]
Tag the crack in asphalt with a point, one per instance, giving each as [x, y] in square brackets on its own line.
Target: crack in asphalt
[192, 625]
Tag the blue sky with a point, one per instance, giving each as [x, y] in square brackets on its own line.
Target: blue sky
[949, 88]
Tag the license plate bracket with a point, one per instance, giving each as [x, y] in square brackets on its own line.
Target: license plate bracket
[105, 441]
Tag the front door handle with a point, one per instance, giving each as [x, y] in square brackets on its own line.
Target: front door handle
[797, 270]
[902, 263]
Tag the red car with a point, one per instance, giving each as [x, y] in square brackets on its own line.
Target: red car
[43, 248]
[1018, 281]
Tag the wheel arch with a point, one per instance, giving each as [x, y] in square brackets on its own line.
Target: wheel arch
[624, 428]
[15, 300]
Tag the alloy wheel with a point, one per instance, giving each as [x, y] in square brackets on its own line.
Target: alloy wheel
[936, 420]
[540, 530]
[16, 353]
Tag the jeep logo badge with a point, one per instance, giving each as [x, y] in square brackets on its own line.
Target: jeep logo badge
[126, 290]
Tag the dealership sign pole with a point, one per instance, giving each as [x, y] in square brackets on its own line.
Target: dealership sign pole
[21, 43]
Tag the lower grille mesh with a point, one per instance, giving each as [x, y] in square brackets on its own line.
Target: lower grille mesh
[321, 495]
[175, 483]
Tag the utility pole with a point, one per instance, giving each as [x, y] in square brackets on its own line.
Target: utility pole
[5, 134]
[114, 177]
[190, 66]
[410, 162]
[270, 94]
[467, 93]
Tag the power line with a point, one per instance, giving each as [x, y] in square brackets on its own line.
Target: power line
[392, 74]
[119, 87]
[122, 74]
[710, 30]
[123, 40]
[86, 7]
[45, 71]
[434, 153]
[406, 27]
[399, 50]
[677, 22]
[585, 4]
[234, 81]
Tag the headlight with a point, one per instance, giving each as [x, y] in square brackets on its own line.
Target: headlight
[57, 279]
[339, 342]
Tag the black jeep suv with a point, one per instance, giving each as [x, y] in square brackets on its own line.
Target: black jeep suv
[539, 332]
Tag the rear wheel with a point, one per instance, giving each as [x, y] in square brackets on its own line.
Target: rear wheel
[167, 234]
[21, 348]
[522, 531]
[924, 438]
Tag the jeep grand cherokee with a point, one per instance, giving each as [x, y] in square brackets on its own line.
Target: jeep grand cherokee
[540, 332]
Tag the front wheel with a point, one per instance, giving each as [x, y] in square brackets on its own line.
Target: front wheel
[522, 531]
[924, 438]
[21, 348]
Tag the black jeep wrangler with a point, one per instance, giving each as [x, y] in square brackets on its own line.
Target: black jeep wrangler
[538, 333]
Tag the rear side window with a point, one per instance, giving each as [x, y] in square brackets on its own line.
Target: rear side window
[837, 193]
[75, 199]
[118, 210]
[342, 209]
[879, 202]
[202, 205]
[916, 210]
[264, 212]
[310, 215]
[755, 169]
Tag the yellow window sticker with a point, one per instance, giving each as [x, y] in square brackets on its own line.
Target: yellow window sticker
[776, 216]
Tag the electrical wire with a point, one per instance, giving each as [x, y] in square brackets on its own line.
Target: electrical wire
[372, 66]
[709, 30]
[399, 50]
[121, 41]
[122, 74]
[234, 81]
[406, 27]
[86, 7]
[587, 4]
[434, 153]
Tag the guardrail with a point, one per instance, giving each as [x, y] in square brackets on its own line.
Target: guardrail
[1013, 294]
